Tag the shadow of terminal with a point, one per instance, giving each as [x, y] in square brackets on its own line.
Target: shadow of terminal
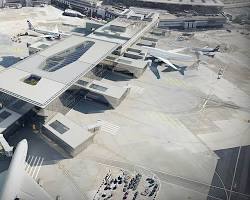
[87, 106]
[180, 69]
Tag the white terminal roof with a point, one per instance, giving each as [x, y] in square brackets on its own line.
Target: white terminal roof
[126, 29]
[54, 82]
[108, 34]
[73, 136]
[189, 2]
[40, 45]
[109, 90]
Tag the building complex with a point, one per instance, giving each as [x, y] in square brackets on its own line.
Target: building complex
[54, 78]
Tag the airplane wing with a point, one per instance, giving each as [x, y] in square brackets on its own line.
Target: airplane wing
[177, 50]
[46, 36]
[168, 63]
[30, 190]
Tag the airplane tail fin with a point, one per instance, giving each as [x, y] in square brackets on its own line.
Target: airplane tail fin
[217, 48]
[182, 70]
[31, 27]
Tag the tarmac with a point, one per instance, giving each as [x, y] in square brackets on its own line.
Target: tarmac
[232, 169]
[191, 131]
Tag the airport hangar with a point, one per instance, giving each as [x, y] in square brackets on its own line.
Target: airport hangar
[46, 85]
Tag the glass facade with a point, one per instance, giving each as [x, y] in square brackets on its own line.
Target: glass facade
[59, 127]
[66, 57]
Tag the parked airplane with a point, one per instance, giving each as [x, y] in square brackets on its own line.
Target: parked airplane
[165, 56]
[206, 51]
[17, 184]
[55, 34]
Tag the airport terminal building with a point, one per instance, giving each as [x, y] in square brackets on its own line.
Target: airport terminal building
[201, 6]
[47, 84]
[169, 21]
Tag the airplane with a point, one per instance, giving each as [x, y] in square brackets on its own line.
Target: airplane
[55, 34]
[164, 56]
[206, 51]
[16, 183]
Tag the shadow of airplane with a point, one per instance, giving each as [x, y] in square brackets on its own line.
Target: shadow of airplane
[181, 69]
[154, 68]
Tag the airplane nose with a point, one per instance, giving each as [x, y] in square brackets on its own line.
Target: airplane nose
[24, 141]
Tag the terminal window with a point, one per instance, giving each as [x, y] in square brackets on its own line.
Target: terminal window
[124, 61]
[18, 104]
[66, 57]
[43, 46]
[4, 115]
[59, 127]
[98, 87]
[83, 83]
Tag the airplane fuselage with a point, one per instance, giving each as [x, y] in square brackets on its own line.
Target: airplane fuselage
[44, 32]
[12, 184]
[168, 55]
[17, 183]
[205, 50]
